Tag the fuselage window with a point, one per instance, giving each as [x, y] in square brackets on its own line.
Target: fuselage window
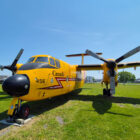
[57, 63]
[52, 61]
[30, 60]
[42, 59]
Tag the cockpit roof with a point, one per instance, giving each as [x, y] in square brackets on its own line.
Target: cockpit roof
[41, 61]
[42, 56]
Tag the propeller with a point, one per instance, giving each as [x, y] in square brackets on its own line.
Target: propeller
[112, 64]
[128, 54]
[12, 67]
[95, 56]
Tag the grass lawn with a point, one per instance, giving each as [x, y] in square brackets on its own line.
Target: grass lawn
[84, 116]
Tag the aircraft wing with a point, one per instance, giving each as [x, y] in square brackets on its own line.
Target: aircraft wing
[90, 67]
[100, 66]
[128, 65]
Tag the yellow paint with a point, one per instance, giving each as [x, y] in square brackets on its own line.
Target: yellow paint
[18, 66]
[106, 78]
[12, 106]
[74, 79]
[82, 59]
[49, 82]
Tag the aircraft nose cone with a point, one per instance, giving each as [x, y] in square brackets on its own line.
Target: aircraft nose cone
[16, 85]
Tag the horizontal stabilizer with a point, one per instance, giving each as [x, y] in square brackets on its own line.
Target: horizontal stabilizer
[81, 54]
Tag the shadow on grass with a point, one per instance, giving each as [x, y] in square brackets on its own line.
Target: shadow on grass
[38, 107]
[4, 95]
[3, 115]
[2, 126]
[100, 103]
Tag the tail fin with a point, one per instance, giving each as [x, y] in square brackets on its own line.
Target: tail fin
[81, 54]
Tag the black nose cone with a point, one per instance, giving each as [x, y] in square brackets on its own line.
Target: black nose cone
[16, 85]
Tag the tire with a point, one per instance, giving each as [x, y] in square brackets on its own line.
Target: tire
[104, 92]
[108, 92]
[24, 111]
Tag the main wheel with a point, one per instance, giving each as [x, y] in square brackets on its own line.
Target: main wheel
[108, 92]
[24, 111]
[104, 91]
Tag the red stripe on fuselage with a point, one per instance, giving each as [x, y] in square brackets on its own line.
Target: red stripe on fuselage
[59, 80]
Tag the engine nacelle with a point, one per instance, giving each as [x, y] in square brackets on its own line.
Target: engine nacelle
[106, 74]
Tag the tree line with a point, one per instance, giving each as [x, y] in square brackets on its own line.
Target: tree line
[125, 77]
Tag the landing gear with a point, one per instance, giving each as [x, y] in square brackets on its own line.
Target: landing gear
[18, 111]
[106, 91]
[24, 111]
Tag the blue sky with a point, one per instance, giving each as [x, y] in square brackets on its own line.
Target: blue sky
[60, 27]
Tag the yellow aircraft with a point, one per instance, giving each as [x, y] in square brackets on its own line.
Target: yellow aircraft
[44, 76]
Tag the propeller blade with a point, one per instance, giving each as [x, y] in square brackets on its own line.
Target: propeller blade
[95, 56]
[130, 53]
[17, 58]
[5, 67]
[13, 66]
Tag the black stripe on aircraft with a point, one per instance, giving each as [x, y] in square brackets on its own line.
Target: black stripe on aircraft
[30, 66]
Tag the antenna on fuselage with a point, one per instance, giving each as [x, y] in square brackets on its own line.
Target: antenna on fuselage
[81, 54]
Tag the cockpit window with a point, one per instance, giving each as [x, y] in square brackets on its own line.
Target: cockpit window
[57, 63]
[41, 59]
[30, 60]
[52, 61]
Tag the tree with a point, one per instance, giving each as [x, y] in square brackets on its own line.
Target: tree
[89, 79]
[126, 77]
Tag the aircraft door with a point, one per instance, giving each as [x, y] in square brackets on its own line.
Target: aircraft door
[66, 82]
